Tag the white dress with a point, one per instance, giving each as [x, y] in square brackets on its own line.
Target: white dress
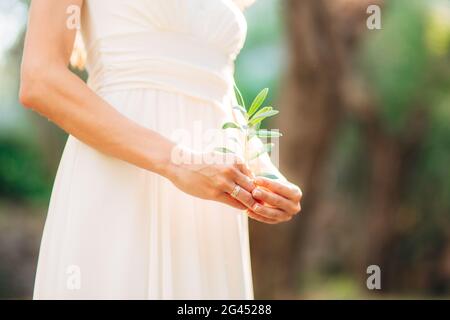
[113, 230]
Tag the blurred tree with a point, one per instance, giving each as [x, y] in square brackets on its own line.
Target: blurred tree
[408, 83]
[313, 92]
[364, 115]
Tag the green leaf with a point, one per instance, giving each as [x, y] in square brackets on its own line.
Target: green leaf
[262, 116]
[223, 150]
[242, 110]
[263, 133]
[259, 100]
[231, 125]
[265, 149]
[268, 175]
[239, 98]
[262, 110]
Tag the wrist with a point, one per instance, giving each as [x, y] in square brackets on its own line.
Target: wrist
[177, 159]
[169, 170]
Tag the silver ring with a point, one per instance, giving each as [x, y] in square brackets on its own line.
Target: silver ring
[235, 191]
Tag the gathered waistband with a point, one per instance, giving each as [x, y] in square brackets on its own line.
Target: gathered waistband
[168, 61]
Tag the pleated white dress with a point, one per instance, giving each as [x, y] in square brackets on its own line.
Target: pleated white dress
[113, 230]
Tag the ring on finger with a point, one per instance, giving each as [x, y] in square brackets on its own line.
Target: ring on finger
[235, 191]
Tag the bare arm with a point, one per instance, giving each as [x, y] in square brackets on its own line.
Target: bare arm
[49, 88]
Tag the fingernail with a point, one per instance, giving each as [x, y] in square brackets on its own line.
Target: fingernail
[257, 193]
[256, 207]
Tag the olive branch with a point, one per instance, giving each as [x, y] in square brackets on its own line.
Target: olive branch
[250, 128]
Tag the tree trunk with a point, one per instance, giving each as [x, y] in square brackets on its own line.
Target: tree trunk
[312, 109]
[322, 38]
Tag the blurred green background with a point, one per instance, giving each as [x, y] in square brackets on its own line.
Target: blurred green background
[366, 117]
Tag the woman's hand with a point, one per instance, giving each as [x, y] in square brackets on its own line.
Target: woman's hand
[212, 176]
[278, 201]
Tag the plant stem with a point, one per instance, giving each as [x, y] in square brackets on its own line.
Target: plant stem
[246, 133]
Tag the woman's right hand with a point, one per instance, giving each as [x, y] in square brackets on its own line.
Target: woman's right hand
[212, 176]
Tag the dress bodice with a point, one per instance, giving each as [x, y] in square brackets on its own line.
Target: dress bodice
[183, 45]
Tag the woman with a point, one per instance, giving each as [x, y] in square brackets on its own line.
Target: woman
[125, 220]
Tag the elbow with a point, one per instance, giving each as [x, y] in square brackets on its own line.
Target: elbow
[28, 93]
[26, 97]
[32, 86]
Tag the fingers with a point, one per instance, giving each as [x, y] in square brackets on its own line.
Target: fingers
[242, 196]
[242, 167]
[271, 213]
[288, 206]
[284, 189]
[245, 198]
[244, 181]
[231, 177]
[260, 218]
[229, 200]
[244, 176]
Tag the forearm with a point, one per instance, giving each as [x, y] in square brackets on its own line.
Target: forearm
[64, 99]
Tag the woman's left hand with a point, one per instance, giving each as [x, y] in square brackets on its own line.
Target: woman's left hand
[279, 201]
